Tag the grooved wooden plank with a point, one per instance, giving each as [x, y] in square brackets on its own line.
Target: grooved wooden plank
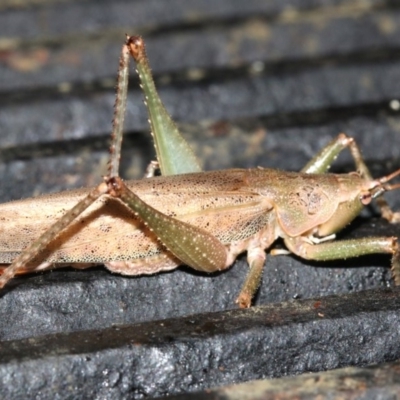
[205, 350]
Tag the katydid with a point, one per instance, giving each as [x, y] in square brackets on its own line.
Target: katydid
[186, 216]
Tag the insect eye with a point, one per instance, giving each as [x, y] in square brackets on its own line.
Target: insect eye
[366, 198]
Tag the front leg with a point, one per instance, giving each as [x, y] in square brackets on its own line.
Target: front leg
[342, 249]
[323, 160]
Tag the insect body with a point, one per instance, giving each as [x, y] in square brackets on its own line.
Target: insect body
[202, 219]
